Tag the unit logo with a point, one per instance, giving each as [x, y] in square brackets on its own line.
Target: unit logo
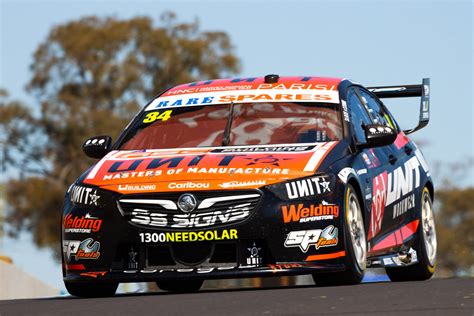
[254, 257]
[83, 195]
[302, 214]
[388, 188]
[326, 237]
[307, 187]
[83, 224]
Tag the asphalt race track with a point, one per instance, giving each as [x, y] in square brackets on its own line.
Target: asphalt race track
[433, 297]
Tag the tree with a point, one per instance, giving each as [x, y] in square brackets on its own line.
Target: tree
[455, 222]
[90, 77]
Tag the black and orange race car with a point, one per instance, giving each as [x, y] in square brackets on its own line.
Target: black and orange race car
[253, 177]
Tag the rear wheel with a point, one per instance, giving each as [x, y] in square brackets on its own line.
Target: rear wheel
[425, 246]
[355, 245]
[180, 286]
[91, 289]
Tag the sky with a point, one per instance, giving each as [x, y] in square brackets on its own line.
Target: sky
[371, 42]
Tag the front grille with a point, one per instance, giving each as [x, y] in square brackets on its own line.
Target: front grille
[204, 254]
[214, 209]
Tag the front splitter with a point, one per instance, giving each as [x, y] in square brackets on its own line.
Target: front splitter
[149, 275]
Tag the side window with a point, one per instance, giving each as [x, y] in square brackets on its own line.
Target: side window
[359, 115]
[376, 110]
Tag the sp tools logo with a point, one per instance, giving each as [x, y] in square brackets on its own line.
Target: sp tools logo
[317, 237]
[86, 249]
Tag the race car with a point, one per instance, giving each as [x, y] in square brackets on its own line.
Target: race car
[253, 177]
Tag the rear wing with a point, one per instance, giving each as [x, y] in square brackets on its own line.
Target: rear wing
[408, 91]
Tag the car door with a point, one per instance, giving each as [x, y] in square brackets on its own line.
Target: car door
[398, 155]
[374, 163]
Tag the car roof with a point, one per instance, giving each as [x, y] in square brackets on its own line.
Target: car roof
[270, 88]
[298, 82]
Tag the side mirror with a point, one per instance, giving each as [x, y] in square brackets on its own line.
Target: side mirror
[97, 147]
[378, 136]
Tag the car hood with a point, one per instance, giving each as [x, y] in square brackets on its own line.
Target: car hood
[222, 168]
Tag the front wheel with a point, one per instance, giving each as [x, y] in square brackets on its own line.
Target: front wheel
[355, 245]
[425, 247]
[91, 289]
[180, 286]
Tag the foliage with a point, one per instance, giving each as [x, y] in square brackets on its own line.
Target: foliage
[455, 223]
[90, 77]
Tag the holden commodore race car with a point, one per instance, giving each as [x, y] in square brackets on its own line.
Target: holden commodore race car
[253, 177]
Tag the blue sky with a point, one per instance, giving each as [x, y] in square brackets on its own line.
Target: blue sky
[374, 43]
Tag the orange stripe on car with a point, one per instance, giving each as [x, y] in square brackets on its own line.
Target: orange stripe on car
[326, 256]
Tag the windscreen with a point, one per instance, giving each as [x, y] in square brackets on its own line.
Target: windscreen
[244, 124]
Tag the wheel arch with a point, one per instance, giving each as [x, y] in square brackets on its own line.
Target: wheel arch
[430, 187]
[355, 184]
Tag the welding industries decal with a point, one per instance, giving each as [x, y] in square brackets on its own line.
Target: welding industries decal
[301, 214]
[81, 224]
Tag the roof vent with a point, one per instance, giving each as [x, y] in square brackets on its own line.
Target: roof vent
[271, 78]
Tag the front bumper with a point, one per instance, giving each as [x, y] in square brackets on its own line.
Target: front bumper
[255, 247]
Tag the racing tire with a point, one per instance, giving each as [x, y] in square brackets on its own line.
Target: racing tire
[425, 246]
[180, 286]
[355, 240]
[91, 289]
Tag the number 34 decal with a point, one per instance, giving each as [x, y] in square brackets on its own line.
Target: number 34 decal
[154, 116]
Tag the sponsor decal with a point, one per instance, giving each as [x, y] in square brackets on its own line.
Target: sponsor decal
[345, 173]
[403, 180]
[284, 83]
[302, 214]
[263, 149]
[307, 187]
[345, 112]
[267, 160]
[226, 234]
[83, 195]
[387, 188]
[196, 220]
[254, 257]
[188, 185]
[82, 224]
[188, 163]
[370, 159]
[225, 97]
[138, 187]
[195, 170]
[196, 270]
[132, 260]
[237, 184]
[379, 196]
[284, 266]
[303, 239]
[404, 205]
[86, 249]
